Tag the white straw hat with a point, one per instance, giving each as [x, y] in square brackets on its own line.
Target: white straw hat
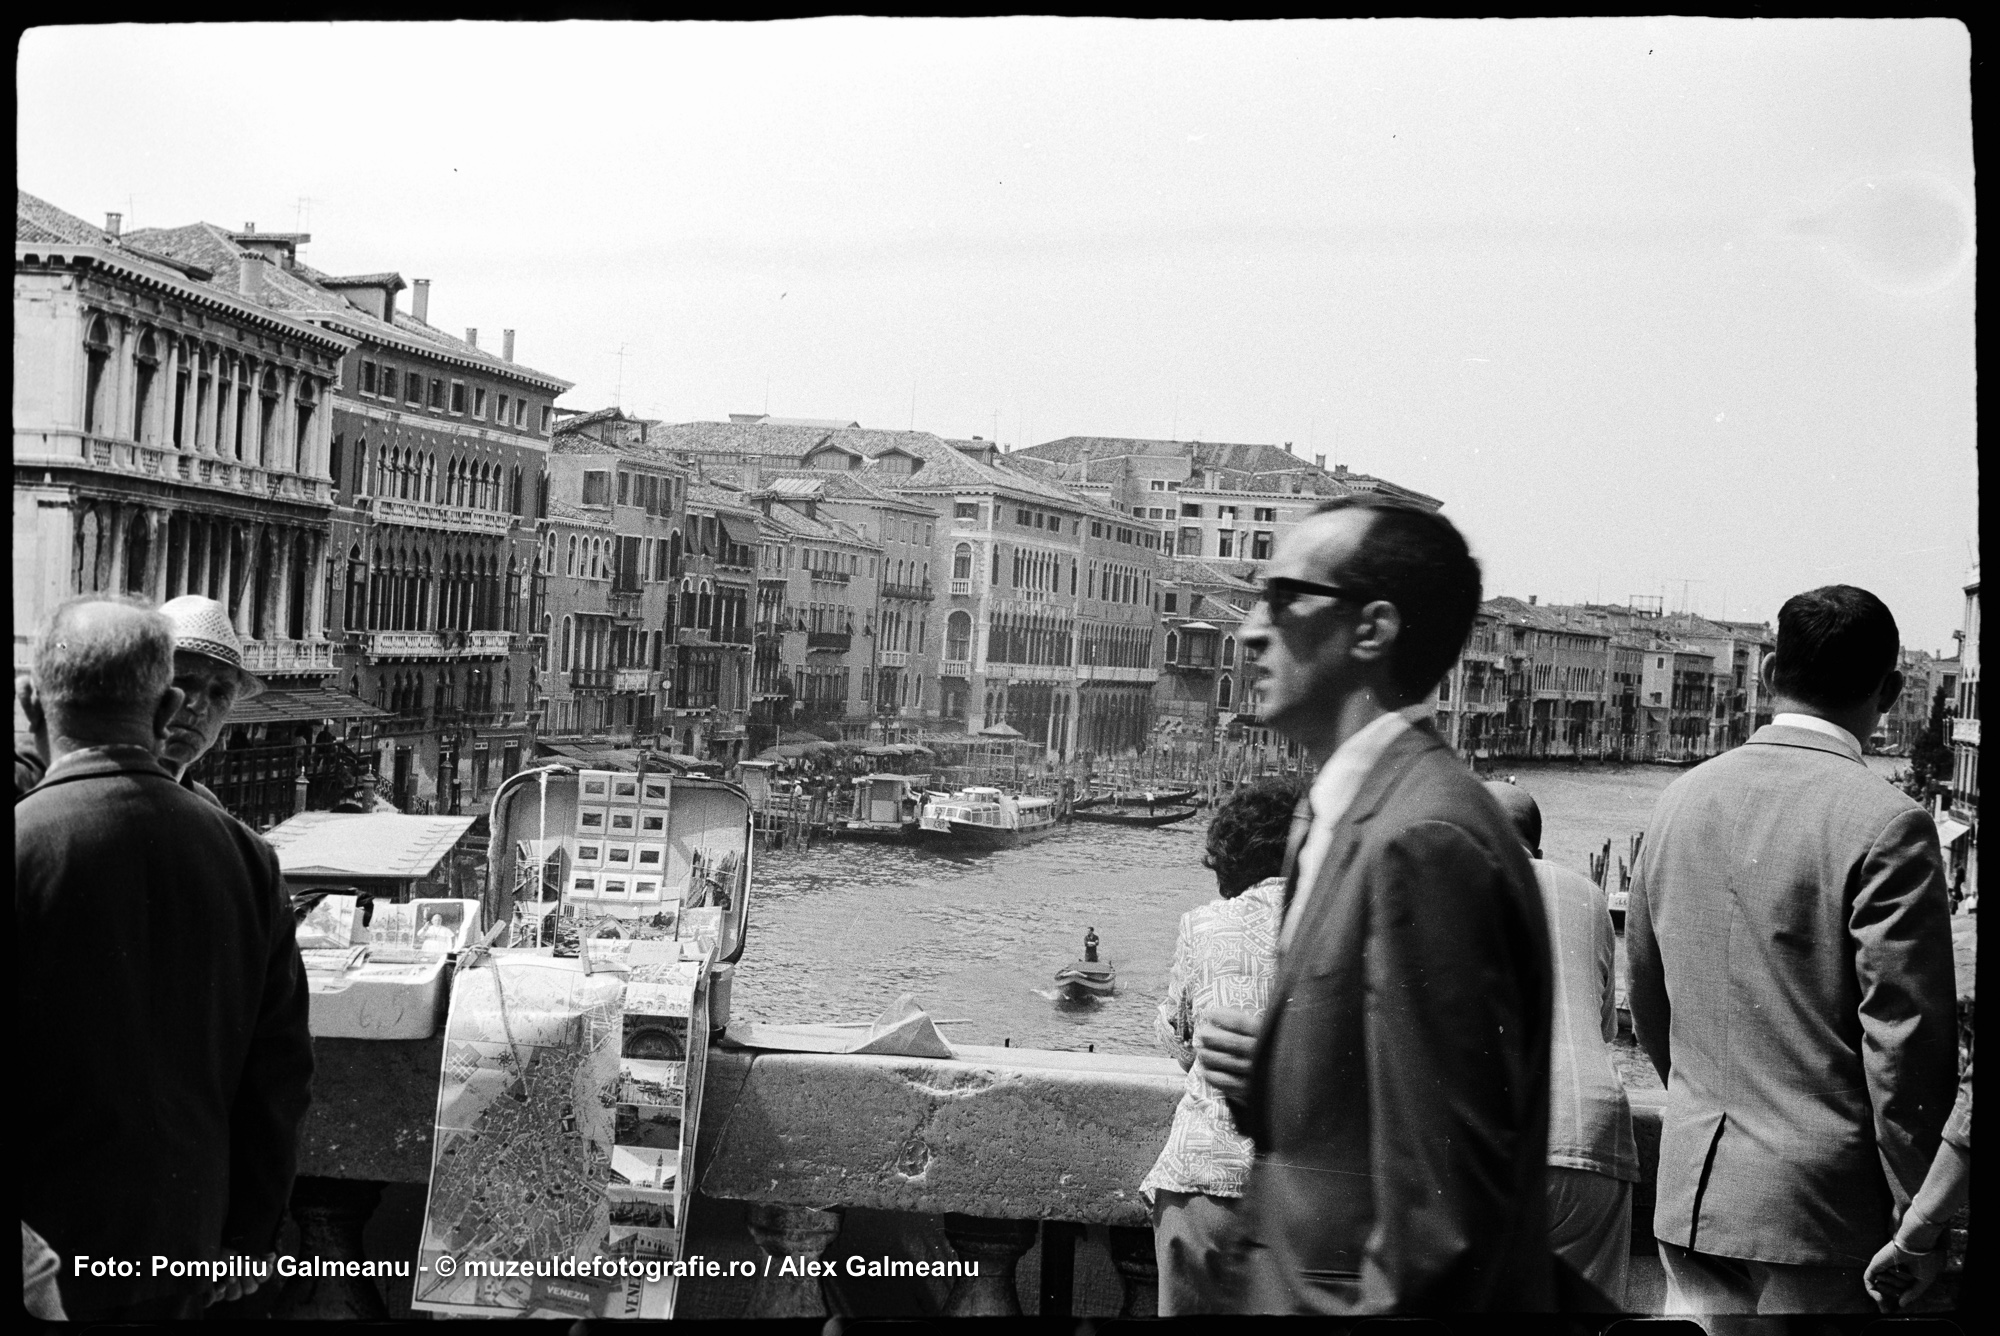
[201, 626]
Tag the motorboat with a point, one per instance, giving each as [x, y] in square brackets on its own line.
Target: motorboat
[985, 818]
[1131, 816]
[886, 807]
[1087, 979]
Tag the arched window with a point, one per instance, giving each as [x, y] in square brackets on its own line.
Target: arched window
[307, 404]
[138, 541]
[148, 366]
[566, 637]
[97, 357]
[353, 615]
[687, 604]
[1222, 696]
[267, 416]
[674, 551]
[183, 379]
[548, 626]
[570, 567]
[958, 637]
[702, 617]
[1229, 651]
[1173, 646]
[514, 493]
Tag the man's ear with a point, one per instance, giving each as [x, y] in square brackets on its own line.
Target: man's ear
[31, 704]
[170, 704]
[1766, 671]
[1375, 635]
[1892, 687]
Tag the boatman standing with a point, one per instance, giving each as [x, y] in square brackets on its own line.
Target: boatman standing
[1090, 944]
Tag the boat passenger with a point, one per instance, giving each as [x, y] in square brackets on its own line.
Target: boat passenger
[1225, 957]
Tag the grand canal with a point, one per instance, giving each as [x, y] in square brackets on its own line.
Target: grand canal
[837, 933]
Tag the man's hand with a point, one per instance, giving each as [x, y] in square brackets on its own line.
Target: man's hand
[1896, 1279]
[1224, 1044]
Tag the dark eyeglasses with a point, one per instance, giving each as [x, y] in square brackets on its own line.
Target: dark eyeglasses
[1280, 591]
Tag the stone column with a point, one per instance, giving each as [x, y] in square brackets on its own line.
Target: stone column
[317, 584]
[997, 1247]
[158, 534]
[124, 368]
[114, 577]
[799, 1233]
[331, 1213]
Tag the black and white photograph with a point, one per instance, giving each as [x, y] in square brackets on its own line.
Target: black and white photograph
[1317, 667]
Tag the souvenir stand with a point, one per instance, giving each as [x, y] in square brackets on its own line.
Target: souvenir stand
[550, 1095]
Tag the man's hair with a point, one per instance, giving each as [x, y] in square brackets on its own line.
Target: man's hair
[1417, 560]
[1520, 809]
[1835, 645]
[120, 665]
[1246, 840]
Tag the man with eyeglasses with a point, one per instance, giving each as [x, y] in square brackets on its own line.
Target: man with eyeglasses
[1397, 1088]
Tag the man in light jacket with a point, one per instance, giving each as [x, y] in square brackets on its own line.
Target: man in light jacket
[1791, 979]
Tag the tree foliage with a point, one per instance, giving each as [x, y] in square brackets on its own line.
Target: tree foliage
[1931, 759]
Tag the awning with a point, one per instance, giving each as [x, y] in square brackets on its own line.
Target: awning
[1950, 832]
[592, 758]
[741, 531]
[1199, 626]
[366, 844]
[293, 704]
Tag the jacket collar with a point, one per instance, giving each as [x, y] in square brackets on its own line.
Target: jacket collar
[96, 762]
[1780, 735]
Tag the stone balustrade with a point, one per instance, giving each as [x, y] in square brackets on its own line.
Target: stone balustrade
[432, 515]
[1014, 1158]
[133, 459]
[281, 657]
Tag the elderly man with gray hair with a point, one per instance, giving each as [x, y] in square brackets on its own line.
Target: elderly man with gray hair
[162, 1003]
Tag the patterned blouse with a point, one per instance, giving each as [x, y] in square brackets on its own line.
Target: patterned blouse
[1226, 957]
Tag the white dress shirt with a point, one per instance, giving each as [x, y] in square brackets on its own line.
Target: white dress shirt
[1333, 792]
[1816, 724]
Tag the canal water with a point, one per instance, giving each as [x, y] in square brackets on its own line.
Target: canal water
[836, 934]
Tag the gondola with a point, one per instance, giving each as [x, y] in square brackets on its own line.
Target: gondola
[1118, 816]
[1087, 978]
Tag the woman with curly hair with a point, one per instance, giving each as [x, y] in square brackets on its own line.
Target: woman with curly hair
[1226, 957]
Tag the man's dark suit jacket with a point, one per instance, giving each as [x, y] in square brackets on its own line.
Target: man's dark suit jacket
[1399, 1095]
[164, 1055]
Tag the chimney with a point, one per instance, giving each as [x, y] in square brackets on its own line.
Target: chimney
[250, 275]
[472, 336]
[420, 299]
[249, 227]
[1531, 599]
[1288, 447]
[1319, 461]
[113, 221]
[507, 345]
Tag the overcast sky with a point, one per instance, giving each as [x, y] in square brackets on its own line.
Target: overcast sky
[1662, 306]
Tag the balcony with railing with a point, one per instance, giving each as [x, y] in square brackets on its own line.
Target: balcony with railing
[919, 593]
[949, 668]
[691, 635]
[432, 515]
[437, 644]
[829, 640]
[894, 658]
[591, 679]
[831, 577]
[1966, 731]
[961, 588]
[75, 449]
[734, 635]
[288, 658]
[625, 605]
[633, 679]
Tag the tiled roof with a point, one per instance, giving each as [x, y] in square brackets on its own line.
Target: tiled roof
[1261, 466]
[572, 514]
[719, 498]
[299, 290]
[1195, 571]
[843, 486]
[40, 221]
[789, 523]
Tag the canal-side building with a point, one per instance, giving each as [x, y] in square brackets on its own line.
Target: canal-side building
[1959, 832]
[1471, 707]
[899, 663]
[711, 694]
[437, 459]
[819, 590]
[1221, 502]
[1201, 609]
[1118, 670]
[175, 434]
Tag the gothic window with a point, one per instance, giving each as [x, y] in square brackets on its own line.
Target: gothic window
[1222, 694]
[183, 378]
[307, 404]
[147, 368]
[958, 637]
[1229, 652]
[97, 357]
[267, 416]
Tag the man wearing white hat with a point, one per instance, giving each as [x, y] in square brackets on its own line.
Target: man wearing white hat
[208, 669]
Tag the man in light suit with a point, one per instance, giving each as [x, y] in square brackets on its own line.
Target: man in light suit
[1791, 979]
[1397, 1090]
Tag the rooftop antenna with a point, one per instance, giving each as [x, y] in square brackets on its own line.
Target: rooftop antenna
[618, 395]
[302, 216]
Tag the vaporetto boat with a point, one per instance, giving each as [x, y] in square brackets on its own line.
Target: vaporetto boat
[984, 818]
